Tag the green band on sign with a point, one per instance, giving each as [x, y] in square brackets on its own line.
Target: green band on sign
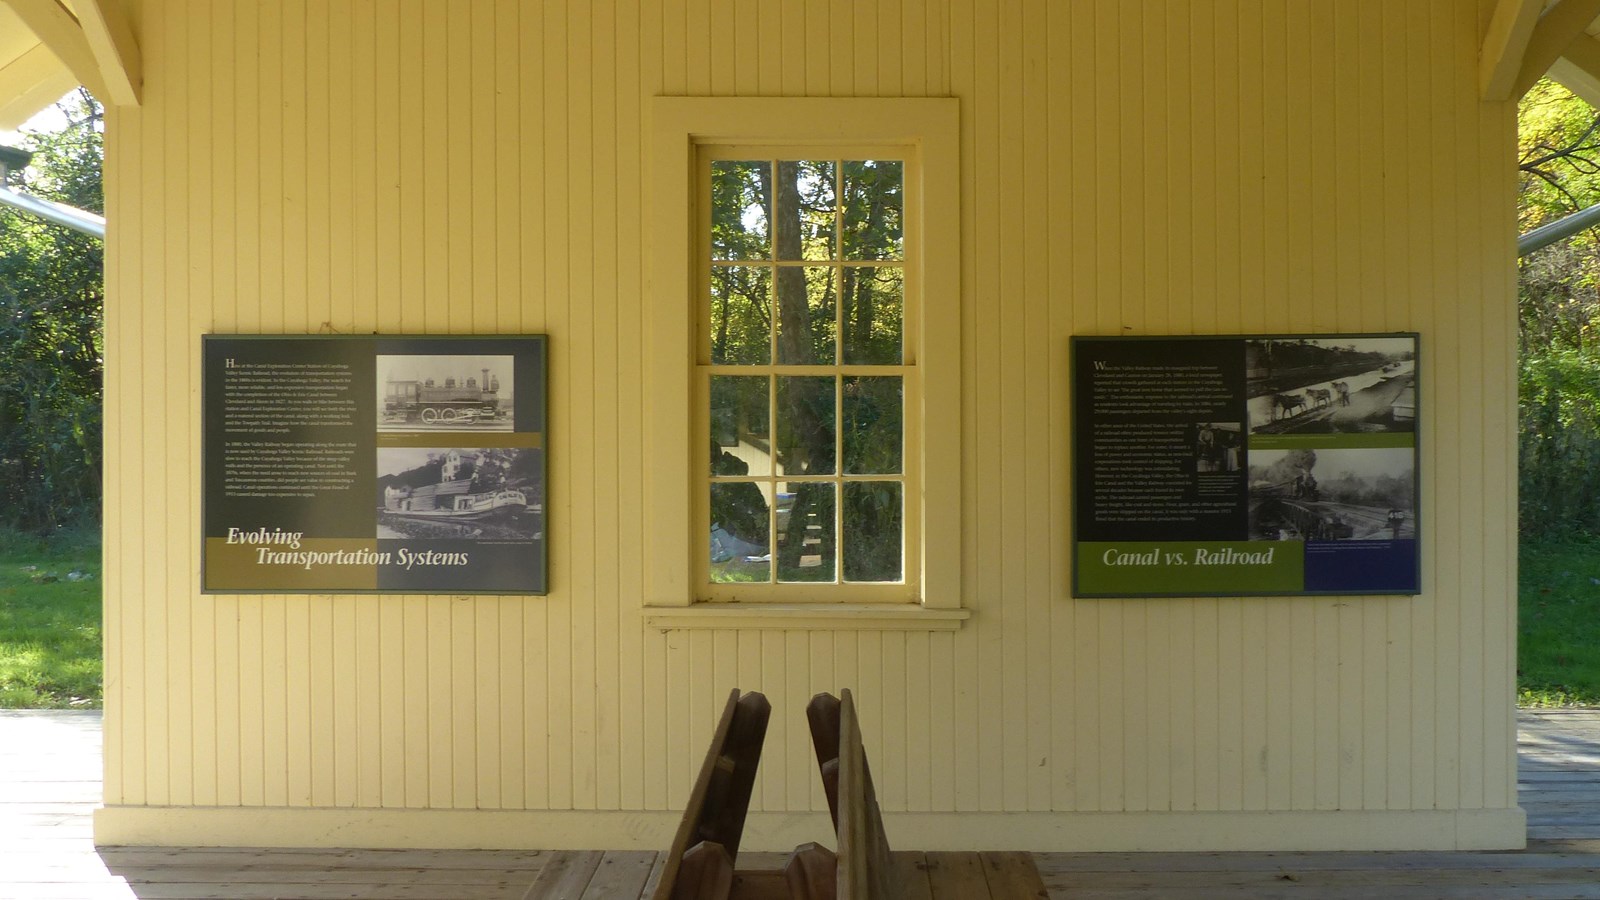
[1189, 568]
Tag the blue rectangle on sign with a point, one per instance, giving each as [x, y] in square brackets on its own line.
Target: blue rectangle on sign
[1368, 567]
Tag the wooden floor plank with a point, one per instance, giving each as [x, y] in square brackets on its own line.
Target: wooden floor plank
[1564, 832]
[1559, 855]
[296, 875]
[759, 861]
[1562, 847]
[1588, 793]
[1373, 882]
[566, 876]
[620, 874]
[246, 891]
[654, 878]
[245, 857]
[911, 874]
[956, 876]
[85, 891]
[1569, 818]
[1313, 892]
[1012, 876]
[763, 884]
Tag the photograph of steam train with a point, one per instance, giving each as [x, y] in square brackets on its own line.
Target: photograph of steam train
[445, 393]
[1366, 494]
[487, 494]
[1334, 384]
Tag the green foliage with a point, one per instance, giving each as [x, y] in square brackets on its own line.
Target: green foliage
[1558, 393]
[1558, 155]
[50, 632]
[1557, 297]
[739, 210]
[51, 339]
[874, 516]
[1558, 646]
[873, 205]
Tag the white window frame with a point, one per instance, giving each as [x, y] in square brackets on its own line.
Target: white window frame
[928, 129]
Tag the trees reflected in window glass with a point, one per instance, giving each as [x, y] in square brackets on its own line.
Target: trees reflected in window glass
[741, 313]
[808, 324]
[740, 226]
[804, 322]
[873, 314]
[874, 513]
[872, 431]
[873, 209]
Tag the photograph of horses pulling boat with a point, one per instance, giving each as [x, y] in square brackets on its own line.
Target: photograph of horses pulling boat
[1307, 385]
[1245, 465]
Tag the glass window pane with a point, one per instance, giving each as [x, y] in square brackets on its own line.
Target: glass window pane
[741, 315]
[739, 227]
[740, 525]
[806, 209]
[873, 513]
[806, 545]
[808, 324]
[874, 315]
[874, 205]
[872, 432]
[805, 425]
[741, 442]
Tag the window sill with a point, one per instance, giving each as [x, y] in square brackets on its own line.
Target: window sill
[806, 617]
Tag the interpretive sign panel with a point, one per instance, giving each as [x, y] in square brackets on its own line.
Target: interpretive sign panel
[388, 464]
[1248, 465]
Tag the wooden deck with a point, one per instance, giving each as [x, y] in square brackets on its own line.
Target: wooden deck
[593, 875]
[50, 783]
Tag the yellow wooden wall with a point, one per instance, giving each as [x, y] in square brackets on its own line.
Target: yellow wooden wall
[476, 166]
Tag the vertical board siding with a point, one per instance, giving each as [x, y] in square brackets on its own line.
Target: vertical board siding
[1193, 167]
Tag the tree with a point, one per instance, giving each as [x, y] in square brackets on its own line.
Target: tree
[1558, 155]
[1558, 376]
[52, 297]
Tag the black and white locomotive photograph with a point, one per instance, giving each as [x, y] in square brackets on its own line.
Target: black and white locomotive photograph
[1365, 494]
[487, 494]
[445, 393]
[1331, 385]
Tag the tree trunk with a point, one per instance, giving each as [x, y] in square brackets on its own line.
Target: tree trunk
[811, 444]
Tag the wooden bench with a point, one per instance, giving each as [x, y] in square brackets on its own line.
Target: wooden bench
[701, 862]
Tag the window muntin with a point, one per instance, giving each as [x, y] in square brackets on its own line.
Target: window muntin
[804, 378]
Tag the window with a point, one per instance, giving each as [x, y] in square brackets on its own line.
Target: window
[805, 310]
[802, 377]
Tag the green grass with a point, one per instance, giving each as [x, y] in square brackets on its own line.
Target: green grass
[49, 623]
[1558, 622]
